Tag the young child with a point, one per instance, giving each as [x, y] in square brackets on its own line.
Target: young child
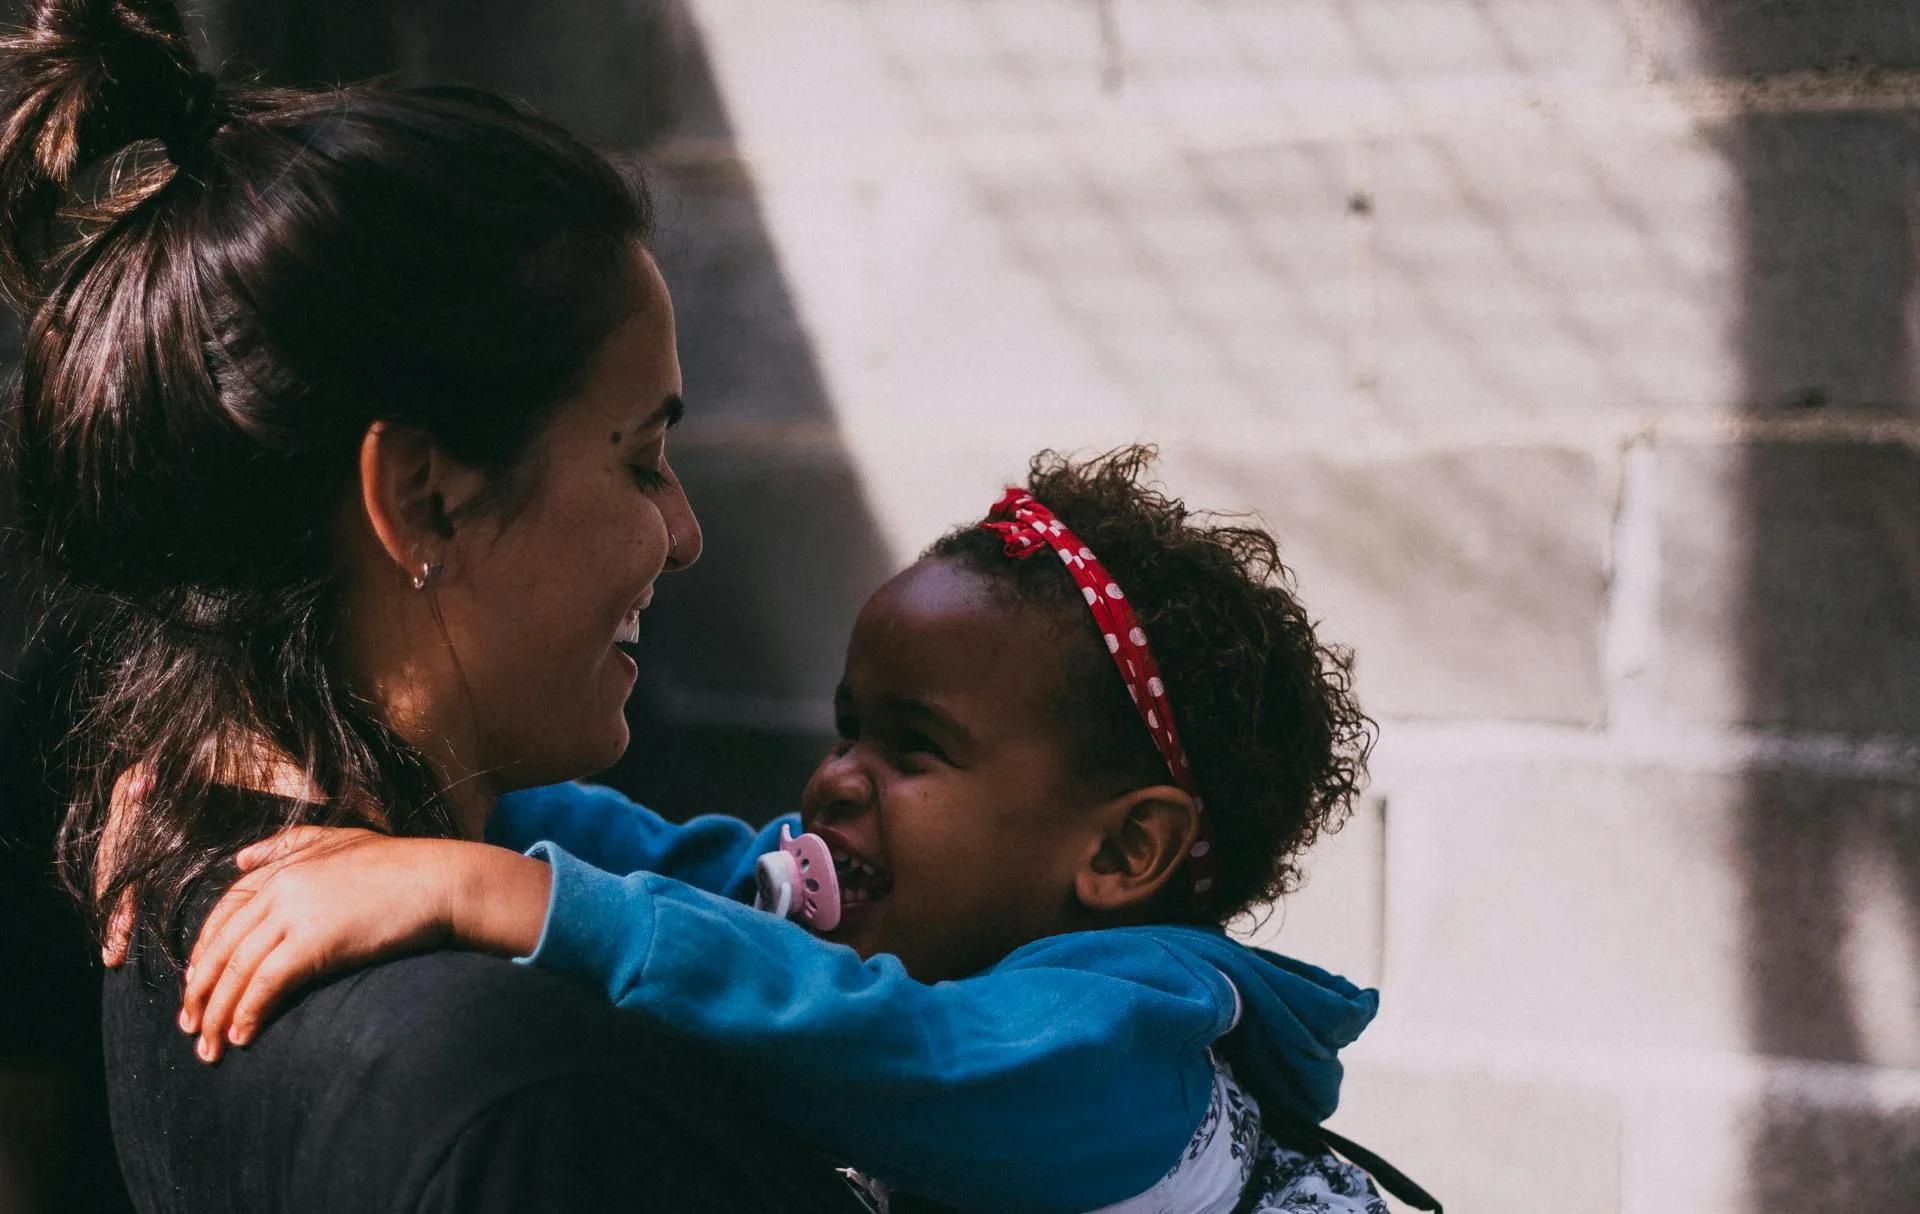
[1038, 822]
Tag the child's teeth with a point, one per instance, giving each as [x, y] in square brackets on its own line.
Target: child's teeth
[860, 882]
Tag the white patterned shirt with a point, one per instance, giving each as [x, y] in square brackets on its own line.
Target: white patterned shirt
[1230, 1166]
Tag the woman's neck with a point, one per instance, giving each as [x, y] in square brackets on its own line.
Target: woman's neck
[400, 661]
[471, 803]
[263, 769]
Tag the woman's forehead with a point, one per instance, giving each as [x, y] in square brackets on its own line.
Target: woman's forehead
[635, 375]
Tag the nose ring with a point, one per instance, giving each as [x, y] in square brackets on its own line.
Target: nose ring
[673, 548]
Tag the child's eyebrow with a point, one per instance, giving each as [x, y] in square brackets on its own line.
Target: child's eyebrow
[946, 722]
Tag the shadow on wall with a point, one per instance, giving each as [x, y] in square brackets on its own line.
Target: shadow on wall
[1830, 631]
[732, 711]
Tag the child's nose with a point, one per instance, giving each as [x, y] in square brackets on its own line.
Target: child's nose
[840, 787]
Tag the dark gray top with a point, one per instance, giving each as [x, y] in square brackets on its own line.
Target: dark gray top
[445, 1082]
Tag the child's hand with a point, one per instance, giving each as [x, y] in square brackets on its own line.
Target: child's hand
[313, 900]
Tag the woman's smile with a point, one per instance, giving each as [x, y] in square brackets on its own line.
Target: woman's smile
[630, 626]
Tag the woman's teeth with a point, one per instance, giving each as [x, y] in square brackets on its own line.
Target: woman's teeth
[629, 629]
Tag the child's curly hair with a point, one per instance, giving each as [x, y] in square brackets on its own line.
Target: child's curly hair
[1265, 711]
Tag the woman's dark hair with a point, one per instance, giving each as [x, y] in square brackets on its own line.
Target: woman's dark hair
[223, 287]
[1265, 711]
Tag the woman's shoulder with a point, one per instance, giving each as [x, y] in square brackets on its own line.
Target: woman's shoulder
[529, 1079]
[453, 1027]
[401, 1068]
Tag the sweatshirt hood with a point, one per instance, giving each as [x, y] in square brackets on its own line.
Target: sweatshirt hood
[1295, 1019]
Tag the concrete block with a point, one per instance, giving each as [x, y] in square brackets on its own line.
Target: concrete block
[1635, 1133]
[1788, 1142]
[1225, 277]
[1334, 919]
[972, 67]
[1496, 1130]
[1549, 267]
[1826, 1159]
[1167, 50]
[1599, 905]
[1581, 41]
[1829, 873]
[1755, 37]
[1470, 584]
[1792, 585]
[1533, 269]
[1823, 305]
[1486, 1144]
[1686, 1144]
[1544, 900]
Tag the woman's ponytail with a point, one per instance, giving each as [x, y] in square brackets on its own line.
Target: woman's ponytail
[85, 80]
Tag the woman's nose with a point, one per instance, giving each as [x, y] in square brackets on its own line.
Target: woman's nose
[682, 526]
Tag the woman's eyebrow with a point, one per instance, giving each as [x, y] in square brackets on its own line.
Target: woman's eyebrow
[672, 408]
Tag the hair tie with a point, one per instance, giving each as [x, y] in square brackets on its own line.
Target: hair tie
[1027, 527]
[189, 142]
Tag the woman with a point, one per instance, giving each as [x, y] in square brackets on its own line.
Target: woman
[353, 406]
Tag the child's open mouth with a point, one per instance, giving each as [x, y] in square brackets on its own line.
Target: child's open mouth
[860, 881]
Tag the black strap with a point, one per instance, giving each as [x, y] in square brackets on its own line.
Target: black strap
[1390, 1178]
[1318, 1139]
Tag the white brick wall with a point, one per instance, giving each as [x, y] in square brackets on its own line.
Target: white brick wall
[1569, 347]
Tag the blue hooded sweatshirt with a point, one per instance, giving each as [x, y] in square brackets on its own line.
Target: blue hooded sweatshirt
[1070, 1075]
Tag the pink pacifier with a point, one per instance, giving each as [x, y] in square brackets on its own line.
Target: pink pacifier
[798, 882]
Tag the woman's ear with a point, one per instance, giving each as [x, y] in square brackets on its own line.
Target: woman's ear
[412, 492]
[1148, 833]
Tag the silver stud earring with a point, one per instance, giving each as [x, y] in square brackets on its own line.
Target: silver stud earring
[429, 570]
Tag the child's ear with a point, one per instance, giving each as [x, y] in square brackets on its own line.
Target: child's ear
[1147, 835]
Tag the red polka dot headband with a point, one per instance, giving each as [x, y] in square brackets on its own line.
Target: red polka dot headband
[1028, 527]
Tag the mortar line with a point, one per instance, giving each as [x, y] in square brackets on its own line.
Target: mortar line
[1631, 638]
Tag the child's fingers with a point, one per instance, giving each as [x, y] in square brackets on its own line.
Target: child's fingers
[280, 846]
[119, 937]
[243, 894]
[286, 968]
[234, 977]
[213, 952]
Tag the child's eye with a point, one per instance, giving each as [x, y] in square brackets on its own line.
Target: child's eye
[913, 742]
[650, 477]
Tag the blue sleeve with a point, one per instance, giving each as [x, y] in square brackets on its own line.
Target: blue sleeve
[1068, 1077]
[611, 832]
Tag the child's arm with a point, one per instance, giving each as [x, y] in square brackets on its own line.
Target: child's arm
[1066, 1078]
[611, 832]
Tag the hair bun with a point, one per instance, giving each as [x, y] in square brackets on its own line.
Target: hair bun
[200, 116]
[85, 79]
